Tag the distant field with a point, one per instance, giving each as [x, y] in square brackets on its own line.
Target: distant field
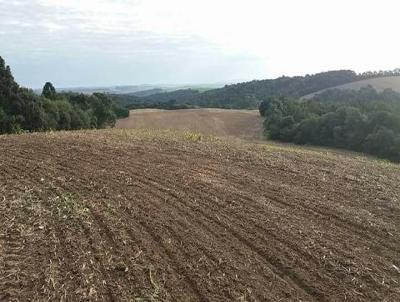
[379, 84]
[219, 122]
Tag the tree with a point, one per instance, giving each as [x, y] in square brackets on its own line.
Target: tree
[377, 119]
[3, 118]
[21, 109]
[264, 105]
[306, 132]
[351, 131]
[286, 126]
[395, 152]
[380, 142]
[2, 64]
[103, 110]
[49, 91]
[363, 120]
[64, 111]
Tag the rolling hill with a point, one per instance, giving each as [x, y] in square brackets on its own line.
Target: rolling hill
[247, 95]
[378, 84]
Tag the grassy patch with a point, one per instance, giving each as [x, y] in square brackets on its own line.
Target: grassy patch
[68, 208]
[193, 137]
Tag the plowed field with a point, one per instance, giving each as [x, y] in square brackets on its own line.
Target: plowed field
[220, 122]
[119, 215]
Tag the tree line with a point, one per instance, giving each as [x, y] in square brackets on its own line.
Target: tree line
[379, 74]
[247, 95]
[365, 121]
[22, 110]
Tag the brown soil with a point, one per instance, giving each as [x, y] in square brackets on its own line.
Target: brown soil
[218, 122]
[121, 215]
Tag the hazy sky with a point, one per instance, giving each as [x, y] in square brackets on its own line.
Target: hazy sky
[108, 42]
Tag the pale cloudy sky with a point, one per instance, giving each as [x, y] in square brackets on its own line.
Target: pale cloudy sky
[110, 42]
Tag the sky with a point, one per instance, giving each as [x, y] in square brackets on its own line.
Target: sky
[130, 42]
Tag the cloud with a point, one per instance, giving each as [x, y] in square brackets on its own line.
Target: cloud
[190, 39]
[88, 41]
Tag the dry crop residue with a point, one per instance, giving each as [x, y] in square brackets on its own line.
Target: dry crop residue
[220, 122]
[119, 215]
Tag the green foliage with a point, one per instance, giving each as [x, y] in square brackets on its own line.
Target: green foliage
[120, 112]
[243, 95]
[21, 109]
[49, 91]
[378, 74]
[168, 100]
[264, 106]
[371, 126]
[103, 110]
[250, 95]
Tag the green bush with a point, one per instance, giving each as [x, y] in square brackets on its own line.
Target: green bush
[21, 109]
[371, 126]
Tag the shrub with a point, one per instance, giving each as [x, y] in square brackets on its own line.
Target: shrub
[372, 126]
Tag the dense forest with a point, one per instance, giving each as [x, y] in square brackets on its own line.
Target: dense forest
[22, 110]
[364, 120]
[284, 86]
[246, 95]
[379, 74]
[162, 100]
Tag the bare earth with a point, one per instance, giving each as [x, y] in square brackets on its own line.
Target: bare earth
[122, 215]
[218, 122]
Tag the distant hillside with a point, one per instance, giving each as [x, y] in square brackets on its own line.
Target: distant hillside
[378, 84]
[139, 90]
[109, 89]
[248, 95]
[144, 93]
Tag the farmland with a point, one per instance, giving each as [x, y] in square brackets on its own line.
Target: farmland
[217, 122]
[138, 215]
[379, 84]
